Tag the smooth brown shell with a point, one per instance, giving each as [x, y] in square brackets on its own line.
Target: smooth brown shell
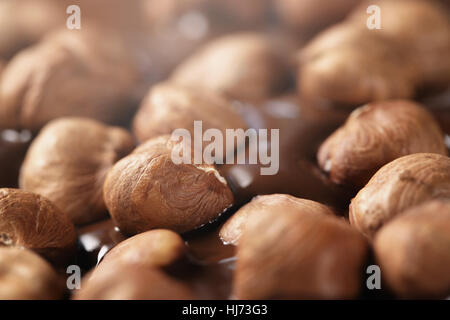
[155, 248]
[168, 107]
[131, 282]
[33, 222]
[232, 230]
[303, 254]
[376, 134]
[243, 66]
[397, 186]
[413, 251]
[68, 162]
[26, 276]
[147, 190]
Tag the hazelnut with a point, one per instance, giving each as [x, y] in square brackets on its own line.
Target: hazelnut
[147, 190]
[104, 70]
[168, 107]
[243, 66]
[397, 186]
[33, 222]
[299, 252]
[68, 162]
[412, 251]
[232, 230]
[376, 134]
[131, 282]
[155, 248]
[309, 16]
[26, 276]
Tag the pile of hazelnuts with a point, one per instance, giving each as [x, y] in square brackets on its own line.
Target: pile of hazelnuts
[86, 118]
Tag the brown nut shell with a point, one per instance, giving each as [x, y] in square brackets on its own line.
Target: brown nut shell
[68, 162]
[376, 134]
[147, 190]
[131, 282]
[33, 222]
[243, 66]
[168, 107]
[413, 254]
[305, 254]
[26, 276]
[397, 186]
[157, 248]
[232, 230]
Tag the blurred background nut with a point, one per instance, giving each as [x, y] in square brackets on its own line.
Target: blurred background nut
[68, 162]
[30, 221]
[376, 134]
[88, 73]
[26, 276]
[243, 66]
[147, 190]
[155, 248]
[168, 107]
[397, 186]
[298, 253]
[131, 282]
[309, 16]
[413, 254]
[232, 230]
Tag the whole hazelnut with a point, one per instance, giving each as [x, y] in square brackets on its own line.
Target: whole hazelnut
[26, 276]
[376, 134]
[298, 252]
[232, 230]
[68, 162]
[131, 282]
[412, 251]
[147, 190]
[30, 221]
[397, 186]
[45, 81]
[243, 66]
[154, 248]
[168, 107]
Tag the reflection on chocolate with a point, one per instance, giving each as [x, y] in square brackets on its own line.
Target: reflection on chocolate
[13, 147]
[302, 128]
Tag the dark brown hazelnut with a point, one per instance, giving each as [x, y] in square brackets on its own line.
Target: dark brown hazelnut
[155, 248]
[243, 66]
[413, 254]
[30, 221]
[26, 276]
[376, 134]
[298, 253]
[68, 162]
[232, 230]
[401, 184]
[147, 190]
[168, 107]
[131, 282]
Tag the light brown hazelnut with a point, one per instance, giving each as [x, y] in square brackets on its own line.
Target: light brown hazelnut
[87, 73]
[376, 134]
[243, 66]
[26, 276]
[155, 248]
[232, 230]
[413, 254]
[298, 254]
[68, 162]
[147, 190]
[168, 107]
[131, 282]
[30, 221]
[397, 186]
